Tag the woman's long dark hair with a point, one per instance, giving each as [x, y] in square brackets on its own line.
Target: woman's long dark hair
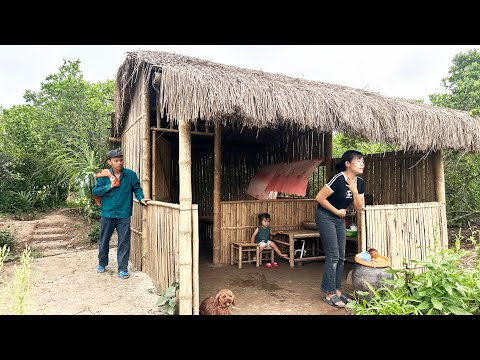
[348, 155]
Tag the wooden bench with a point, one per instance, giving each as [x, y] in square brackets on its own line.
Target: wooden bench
[241, 253]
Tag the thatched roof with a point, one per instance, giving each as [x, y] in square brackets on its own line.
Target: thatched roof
[192, 88]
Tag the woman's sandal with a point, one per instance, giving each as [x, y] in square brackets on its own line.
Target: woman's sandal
[345, 298]
[334, 301]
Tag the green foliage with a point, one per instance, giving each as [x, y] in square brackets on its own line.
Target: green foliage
[94, 234]
[462, 85]
[15, 292]
[68, 115]
[462, 91]
[445, 288]
[462, 186]
[342, 143]
[7, 239]
[168, 301]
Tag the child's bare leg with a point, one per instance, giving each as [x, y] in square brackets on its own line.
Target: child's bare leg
[277, 250]
[260, 249]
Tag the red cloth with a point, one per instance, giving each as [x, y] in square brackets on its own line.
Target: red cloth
[290, 178]
[103, 173]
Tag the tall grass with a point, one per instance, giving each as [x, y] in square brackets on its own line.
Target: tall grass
[15, 293]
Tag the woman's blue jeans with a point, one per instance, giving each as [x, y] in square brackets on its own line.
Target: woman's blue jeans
[108, 225]
[333, 236]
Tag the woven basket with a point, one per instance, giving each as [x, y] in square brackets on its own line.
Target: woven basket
[310, 225]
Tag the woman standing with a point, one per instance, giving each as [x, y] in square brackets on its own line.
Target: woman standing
[333, 200]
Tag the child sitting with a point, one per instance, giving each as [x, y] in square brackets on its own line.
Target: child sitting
[261, 236]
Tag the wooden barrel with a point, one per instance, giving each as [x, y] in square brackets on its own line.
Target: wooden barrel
[373, 276]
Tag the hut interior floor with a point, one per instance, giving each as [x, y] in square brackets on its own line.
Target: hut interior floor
[269, 291]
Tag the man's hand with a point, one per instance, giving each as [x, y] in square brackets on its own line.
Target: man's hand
[145, 201]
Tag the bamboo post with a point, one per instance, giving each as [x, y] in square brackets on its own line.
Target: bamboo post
[217, 178]
[328, 155]
[145, 170]
[195, 251]
[185, 219]
[362, 246]
[440, 191]
[154, 165]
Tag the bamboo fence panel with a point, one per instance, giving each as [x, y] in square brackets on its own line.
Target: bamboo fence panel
[405, 232]
[240, 218]
[163, 243]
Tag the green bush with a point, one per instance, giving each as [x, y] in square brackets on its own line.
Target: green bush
[7, 239]
[94, 234]
[446, 287]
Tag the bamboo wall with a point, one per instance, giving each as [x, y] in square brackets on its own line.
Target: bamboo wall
[240, 219]
[132, 136]
[240, 165]
[399, 178]
[132, 146]
[405, 231]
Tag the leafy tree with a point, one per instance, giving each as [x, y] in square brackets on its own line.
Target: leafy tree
[66, 114]
[462, 85]
[462, 181]
[342, 143]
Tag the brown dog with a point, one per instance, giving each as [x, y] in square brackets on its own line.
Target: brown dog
[218, 305]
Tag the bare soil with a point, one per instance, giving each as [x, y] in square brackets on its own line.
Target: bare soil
[63, 272]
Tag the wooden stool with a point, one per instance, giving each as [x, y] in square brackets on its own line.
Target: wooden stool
[238, 250]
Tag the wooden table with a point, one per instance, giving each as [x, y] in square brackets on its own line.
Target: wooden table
[300, 234]
[294, 235]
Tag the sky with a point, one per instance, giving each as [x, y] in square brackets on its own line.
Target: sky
[405, 71]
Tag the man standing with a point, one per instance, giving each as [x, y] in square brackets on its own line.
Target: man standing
[116, 209]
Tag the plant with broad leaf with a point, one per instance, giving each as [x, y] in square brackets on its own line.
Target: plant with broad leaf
[445, 288]
[168, 301]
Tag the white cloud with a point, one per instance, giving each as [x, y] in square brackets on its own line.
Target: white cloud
[404, 71]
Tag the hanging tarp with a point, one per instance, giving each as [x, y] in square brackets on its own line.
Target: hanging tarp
[290, 178]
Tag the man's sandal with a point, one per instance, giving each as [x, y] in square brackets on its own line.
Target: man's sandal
[123, 275]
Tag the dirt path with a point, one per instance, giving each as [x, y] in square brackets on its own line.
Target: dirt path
[63, 276]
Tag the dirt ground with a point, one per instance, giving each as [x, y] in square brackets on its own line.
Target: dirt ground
[270, 291]
[63, 272]
[64, 278]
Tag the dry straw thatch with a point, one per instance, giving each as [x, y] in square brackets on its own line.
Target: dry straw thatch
[192, 88]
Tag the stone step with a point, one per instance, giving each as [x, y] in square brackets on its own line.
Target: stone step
[52, 230]
[51, 224]
[51, 237]
[49, 245]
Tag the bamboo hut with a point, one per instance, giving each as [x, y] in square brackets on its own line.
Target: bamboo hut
[197, 131]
